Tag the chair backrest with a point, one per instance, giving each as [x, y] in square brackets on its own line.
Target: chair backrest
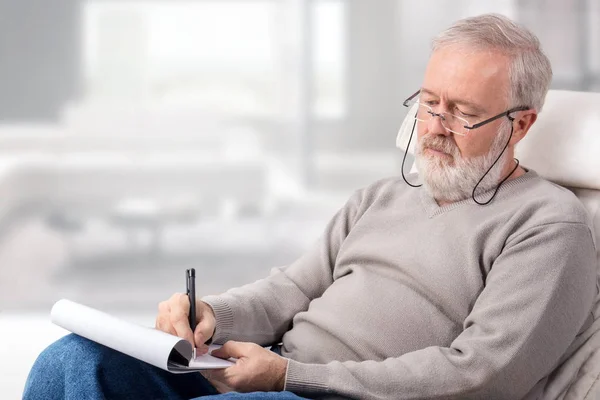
[562, 146]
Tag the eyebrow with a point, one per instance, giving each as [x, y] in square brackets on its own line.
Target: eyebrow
[477, 108]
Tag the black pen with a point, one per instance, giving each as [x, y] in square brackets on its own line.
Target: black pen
[190, 287]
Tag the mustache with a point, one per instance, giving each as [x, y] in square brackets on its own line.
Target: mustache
[438, 143]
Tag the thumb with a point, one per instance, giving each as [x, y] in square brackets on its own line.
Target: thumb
[204, 331]
[233, 349]
[206, 324]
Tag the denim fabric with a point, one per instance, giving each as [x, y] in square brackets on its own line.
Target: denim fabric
[255, 396]
[77, 368]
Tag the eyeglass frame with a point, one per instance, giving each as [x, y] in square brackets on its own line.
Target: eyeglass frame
[477, 125]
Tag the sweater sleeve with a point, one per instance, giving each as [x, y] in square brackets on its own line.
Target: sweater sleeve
[261, 312]
[537, 297]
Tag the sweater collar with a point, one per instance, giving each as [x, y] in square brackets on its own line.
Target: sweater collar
[433, 209]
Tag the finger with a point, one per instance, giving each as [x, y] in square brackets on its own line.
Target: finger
[163, 324]
[234, 349]
[227, 378]
[166, 326]
[163, 310]
[201, 349]
[206, 323]
[177, 300]
[218, 375]
[204, 331]
[178, 316]
[160, 323]
[163, 307]
[181, 300]
[179, 321]
[221, 387]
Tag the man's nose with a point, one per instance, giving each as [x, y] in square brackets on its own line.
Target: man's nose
[436, 127]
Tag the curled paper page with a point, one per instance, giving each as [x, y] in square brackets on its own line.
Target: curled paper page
[155, 347]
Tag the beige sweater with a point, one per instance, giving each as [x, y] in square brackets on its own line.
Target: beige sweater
[403, 299]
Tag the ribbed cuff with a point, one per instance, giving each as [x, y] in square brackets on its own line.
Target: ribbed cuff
[223, 316]
[306, 379]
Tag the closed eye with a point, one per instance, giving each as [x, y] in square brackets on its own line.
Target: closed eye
[465, 114]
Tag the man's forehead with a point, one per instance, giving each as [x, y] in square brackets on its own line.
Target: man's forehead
[471, 76]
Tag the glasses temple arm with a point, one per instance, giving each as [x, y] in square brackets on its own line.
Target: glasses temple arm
[412, 96]
[506, 113]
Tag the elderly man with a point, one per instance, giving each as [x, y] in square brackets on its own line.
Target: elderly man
[470, 280]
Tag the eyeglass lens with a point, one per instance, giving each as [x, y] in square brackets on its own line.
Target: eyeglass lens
[451, 122]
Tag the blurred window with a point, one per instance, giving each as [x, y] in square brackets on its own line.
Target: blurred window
[215, 55]
[329, 46]
[225, 56]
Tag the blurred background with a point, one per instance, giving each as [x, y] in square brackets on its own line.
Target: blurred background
[141, 138]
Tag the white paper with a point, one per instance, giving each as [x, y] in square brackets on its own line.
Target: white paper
[206, 361]
[146, 344]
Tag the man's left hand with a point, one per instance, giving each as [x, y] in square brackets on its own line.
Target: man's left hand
[256, 369]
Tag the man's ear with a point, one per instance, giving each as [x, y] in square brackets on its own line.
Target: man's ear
[521, 125]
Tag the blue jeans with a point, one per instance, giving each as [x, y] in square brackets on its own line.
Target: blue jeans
[77, 368]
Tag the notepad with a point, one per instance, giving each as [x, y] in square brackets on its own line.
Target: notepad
[150, 345]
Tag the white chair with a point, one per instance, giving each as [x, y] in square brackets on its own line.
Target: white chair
[563, 146]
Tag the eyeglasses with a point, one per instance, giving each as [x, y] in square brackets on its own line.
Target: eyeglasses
[453, 123]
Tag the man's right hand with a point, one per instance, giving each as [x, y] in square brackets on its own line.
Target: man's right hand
[173, 318]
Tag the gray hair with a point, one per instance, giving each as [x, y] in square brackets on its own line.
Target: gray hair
[530, 72]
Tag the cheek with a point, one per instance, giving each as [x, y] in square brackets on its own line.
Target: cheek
[464, 146]
[473, 147]
[421, 129]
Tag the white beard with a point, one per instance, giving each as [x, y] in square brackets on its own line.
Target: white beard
[452, 179]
